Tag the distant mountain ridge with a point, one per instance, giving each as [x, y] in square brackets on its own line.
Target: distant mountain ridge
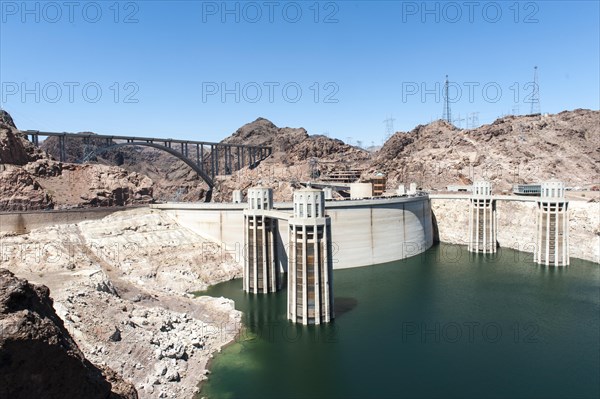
[511, 150]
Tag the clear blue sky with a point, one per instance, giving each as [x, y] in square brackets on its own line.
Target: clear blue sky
[356, 63]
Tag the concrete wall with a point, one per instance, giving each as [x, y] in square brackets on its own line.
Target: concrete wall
[364, 232]
[517, 225]
[24, 222]
[379, 232]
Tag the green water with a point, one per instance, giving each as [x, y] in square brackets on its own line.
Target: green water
[443, 324]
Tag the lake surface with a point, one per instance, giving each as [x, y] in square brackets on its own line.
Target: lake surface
[443, 324]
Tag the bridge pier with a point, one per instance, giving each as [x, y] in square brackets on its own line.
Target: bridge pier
[216, 160]
[62, 150]
[310, 267]
[35, 139]
[482, 219]
[552, 246]
[261, 273]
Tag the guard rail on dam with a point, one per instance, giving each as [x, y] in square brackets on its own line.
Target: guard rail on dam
[364, 232]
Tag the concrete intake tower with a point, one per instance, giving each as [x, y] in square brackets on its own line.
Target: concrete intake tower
[261, 269]
[482, 219]
[552, 246]
[310, 262]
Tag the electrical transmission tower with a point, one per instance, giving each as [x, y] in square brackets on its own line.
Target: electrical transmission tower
[473, 117]
[389, 127]
[535, 95]
[460, 120]
[447, 116]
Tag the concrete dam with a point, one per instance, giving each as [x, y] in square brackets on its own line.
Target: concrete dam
[363, 232]
[308, 238]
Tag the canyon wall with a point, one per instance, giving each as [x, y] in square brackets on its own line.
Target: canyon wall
[517, 225]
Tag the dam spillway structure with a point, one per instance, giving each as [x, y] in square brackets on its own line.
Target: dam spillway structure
[261, 271]
[482, 219]
[310, 262]
[552, 244]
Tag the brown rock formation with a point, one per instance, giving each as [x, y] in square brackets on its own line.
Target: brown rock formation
[38, 357]
[74, 185]
[512, 150]
[14, 147]
[294, 144]
[31, 180]
[172, 179]
[296, 157]
[20, 191]
[6, 119]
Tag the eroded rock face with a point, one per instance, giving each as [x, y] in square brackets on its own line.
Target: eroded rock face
[296, 157]
[20, 191]
[6, 119]
[47, 184]
[172, 179]
[14, 147]
[38, 357]
[511, 150]
[31, 180]
[122, 287]
[294, 144]
[99, 185]
[264, 132]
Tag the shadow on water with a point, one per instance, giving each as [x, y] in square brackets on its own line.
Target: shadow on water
[344, 305]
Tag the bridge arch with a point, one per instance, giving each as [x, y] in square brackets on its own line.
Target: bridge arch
[247, 155]
[171, 151]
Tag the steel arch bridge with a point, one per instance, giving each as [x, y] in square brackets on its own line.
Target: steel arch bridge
[205, 158]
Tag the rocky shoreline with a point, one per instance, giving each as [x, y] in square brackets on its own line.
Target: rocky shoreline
[123, 288]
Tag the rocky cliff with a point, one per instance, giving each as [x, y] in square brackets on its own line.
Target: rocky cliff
[294, 144]
[512, 150]
[32, 180]
[517, 227]
[14, 147]
[38, 357]
[122, 286]
[172, 179]
[297, 157]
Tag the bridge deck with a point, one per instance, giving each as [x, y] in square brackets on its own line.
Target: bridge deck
[133, 138]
